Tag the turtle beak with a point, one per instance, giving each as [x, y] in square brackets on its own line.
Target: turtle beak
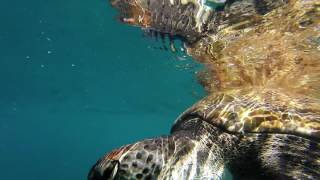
[104, 171]
[108, 166]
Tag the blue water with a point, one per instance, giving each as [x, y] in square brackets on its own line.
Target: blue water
[75, 84]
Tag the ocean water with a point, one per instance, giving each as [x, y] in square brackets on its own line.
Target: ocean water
[75, 83]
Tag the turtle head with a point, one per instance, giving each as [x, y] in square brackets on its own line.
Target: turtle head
[134, 161]
[189, 20]
[189, 152]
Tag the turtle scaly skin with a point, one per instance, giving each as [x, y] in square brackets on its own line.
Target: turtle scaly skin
[261, 117]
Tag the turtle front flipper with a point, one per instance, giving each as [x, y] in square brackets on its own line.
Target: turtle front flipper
[277, 156]
[195, 150]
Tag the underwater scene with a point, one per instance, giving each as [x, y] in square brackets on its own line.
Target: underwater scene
[160, 89]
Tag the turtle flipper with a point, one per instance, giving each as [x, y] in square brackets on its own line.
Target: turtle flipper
[277, 156]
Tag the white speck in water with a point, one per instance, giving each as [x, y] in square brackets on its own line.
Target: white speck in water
[42, 66]
[49, 52]
[73, 65]
[27, 57]
[48, 39]
[181, 58]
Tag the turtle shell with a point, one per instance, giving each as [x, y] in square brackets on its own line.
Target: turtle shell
[263, 71]
[260, 111]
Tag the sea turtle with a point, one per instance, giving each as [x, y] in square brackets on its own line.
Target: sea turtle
[261, 118]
